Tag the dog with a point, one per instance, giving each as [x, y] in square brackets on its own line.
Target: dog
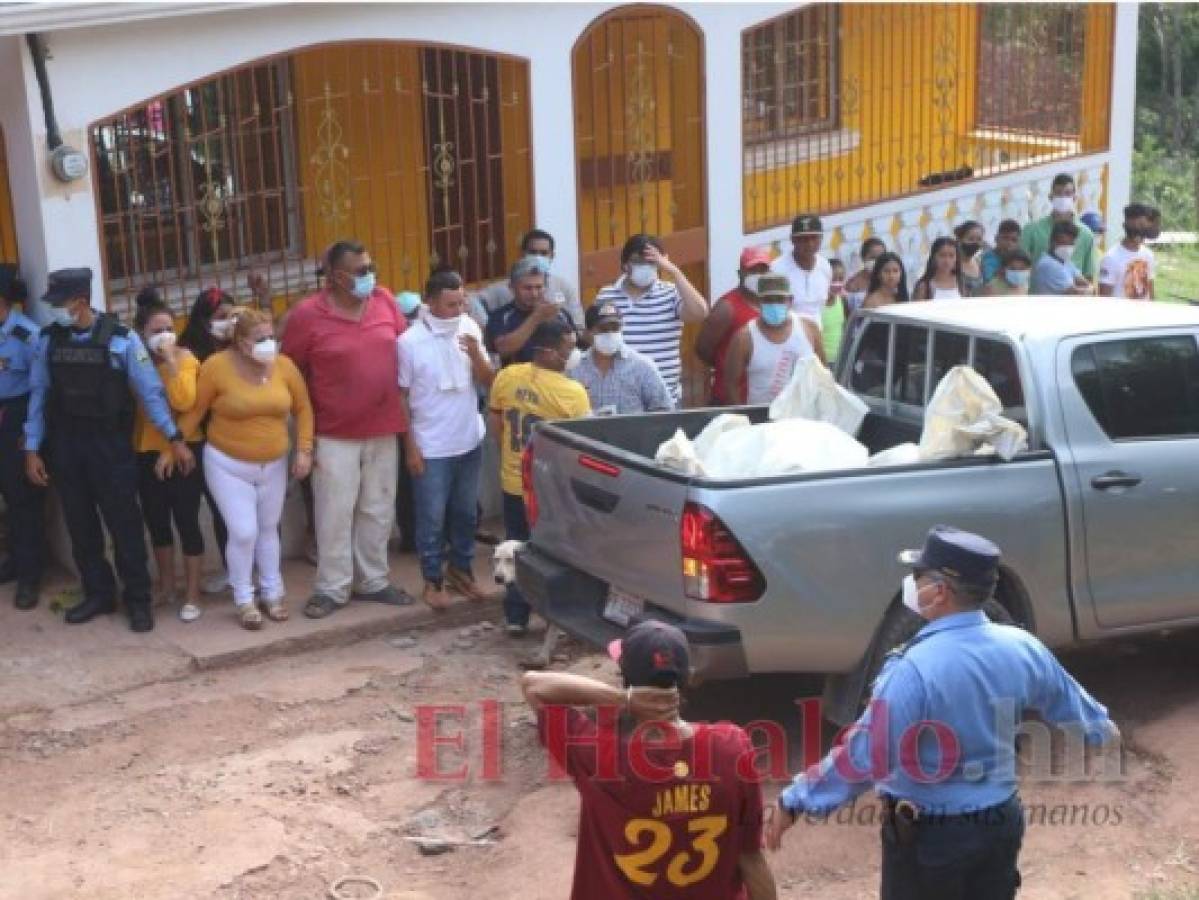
[503, 565]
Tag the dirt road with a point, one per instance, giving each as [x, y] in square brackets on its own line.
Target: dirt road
[273, 780]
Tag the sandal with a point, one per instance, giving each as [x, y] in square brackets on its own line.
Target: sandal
[189, 612]
[320, 605]
[276, 610]
[251, 618]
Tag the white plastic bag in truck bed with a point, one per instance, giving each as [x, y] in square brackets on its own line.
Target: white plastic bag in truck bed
[964, 415]
[782, 448]
[813, 394]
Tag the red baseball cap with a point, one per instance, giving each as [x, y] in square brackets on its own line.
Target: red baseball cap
[755, 256]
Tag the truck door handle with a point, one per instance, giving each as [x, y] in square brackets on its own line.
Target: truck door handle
[1115, 479]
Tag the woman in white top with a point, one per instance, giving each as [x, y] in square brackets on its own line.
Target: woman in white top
[942, 278]
[763, 354]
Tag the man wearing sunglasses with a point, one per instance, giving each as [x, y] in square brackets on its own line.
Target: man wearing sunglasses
[343, 339]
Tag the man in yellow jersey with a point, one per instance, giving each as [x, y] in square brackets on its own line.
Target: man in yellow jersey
[521, 396]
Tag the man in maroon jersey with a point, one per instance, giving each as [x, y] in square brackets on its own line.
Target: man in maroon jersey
[670, 809]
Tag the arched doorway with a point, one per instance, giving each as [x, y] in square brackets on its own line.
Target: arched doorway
[639, 142]
[420, 151]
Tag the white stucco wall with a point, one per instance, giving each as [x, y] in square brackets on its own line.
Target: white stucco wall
[99, 70]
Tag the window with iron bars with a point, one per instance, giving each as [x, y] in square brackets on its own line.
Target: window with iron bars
[788, 71]
[1030, 67]
[195, 181]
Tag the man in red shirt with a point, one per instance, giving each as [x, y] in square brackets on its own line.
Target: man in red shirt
[343, 340]
[731, 313]
[669, 809]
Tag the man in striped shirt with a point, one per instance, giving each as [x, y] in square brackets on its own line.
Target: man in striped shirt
[653, 310]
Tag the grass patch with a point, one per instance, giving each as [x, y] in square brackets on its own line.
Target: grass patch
[1177, 281]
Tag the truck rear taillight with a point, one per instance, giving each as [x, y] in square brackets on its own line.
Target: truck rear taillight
[716, 568]
[526, 479]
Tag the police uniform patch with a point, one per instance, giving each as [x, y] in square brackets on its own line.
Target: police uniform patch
[142, 356]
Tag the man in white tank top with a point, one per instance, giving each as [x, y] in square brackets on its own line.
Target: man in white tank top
[763, 354]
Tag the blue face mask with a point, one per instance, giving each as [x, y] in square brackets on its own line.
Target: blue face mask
[363, 285]
[775, 313]
[409, 302]
[1017, 278]
[543, 262]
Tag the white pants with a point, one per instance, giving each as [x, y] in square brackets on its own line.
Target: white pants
[354, 488]
[250, 498]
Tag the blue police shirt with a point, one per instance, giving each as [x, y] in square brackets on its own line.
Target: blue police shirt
[125, 352]
[16, 355]
[1052, 276]
[973, 679]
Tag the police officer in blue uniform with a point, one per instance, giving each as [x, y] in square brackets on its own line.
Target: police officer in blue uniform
[24, 500]
[82, 374]
[952, 822]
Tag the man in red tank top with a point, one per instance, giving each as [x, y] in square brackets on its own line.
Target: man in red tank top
[730, 314]
[669, 809]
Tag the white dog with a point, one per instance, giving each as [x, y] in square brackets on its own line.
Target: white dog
[503, 564]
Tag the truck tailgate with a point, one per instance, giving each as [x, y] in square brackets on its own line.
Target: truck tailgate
[610, 514]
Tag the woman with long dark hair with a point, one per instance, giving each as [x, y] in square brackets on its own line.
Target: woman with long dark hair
[942, 278]
[888, 282]
[970, 245]
[209, 330]
[166, 493]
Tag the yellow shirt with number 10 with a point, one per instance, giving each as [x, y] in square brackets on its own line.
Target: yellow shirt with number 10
[523, 395]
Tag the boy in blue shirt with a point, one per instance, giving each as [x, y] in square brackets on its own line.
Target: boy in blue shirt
[1055, 272]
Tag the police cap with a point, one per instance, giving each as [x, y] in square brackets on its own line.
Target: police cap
[67, 284]
[957, 553]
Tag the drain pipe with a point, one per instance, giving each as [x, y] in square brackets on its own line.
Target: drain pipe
[67, 163]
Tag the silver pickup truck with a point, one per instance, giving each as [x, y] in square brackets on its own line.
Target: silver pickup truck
[1098, 520]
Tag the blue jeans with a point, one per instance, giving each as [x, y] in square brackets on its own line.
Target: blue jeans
[446, 498]
[516, 528]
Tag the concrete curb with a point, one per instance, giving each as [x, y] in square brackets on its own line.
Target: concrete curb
[407, 618]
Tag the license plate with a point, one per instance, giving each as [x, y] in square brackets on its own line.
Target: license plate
[621, 607]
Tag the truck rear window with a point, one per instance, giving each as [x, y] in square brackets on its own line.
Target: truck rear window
[1141, 388]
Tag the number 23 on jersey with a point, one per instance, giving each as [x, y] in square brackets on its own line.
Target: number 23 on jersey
[644, 865]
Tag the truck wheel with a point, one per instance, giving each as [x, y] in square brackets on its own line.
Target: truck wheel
[845, 695]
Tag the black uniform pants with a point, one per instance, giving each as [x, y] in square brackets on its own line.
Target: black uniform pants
[95, 472]
[26, 502]
[955, 858]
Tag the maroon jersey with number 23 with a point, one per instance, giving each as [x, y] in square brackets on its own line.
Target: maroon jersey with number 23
[659, 819]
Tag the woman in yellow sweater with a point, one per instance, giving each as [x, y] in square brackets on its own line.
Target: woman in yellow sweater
[250, 390]
[164, 492]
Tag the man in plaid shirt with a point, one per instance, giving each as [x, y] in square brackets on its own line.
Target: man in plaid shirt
[618, 379]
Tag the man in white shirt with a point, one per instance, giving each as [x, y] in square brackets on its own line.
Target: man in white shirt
[1128, 269]
[441, 360]
[809, 273]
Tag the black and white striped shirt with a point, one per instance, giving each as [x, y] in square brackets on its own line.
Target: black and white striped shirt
[653, 325]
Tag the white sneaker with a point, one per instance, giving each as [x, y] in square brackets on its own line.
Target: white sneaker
[189, 612]
[215, 583]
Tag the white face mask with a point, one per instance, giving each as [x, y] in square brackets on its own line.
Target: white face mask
[572, 361]
[1064, 252]
[265, 351]
[221, 329]
[1062, 204]
[751, 282]
[441, 327]
[161, 342]
[60, 316]
[643, 274]
[911, 595]
[609, 343]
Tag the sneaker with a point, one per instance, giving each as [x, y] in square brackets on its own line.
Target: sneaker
[215, 583]
[435, 596]
[276, 610]
[189, 612]
[516, 631]
[463, 582]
